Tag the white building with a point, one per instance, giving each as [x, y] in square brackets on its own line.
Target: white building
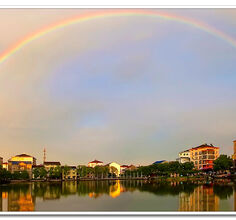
[184, 156]
[95, 163]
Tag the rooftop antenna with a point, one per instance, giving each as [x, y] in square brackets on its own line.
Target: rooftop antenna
[44, 155]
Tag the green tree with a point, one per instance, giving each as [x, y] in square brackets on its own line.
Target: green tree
[222, 163]
[57, 172]
[65, 170]
[24, 175]
[5, 175]
[36, 173]
[42, 173]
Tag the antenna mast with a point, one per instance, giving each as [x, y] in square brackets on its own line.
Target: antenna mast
[44, 155]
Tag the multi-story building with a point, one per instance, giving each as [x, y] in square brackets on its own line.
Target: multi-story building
[203, 156]
[52, 164]
[71, 175]
[1, 161]
[234, 155]
[95, 163]
[21, 162]
[184, 156]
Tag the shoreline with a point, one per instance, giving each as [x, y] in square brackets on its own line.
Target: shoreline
[159, 179]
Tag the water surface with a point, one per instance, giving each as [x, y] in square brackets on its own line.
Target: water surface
[128, 195]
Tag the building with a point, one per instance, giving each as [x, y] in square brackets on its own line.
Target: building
[123, 168]
[234, 155]
[5, 165]
[95, 163]
[1, 161]
[71, 175]
[184, 156]
[203, 156]
[52, 164]
[21, 162]
[114, 168]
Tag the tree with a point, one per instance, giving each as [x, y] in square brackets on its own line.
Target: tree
[5, 175]
[113, 171]
[42, 173]
[66, 170]
[24, 175]
[222, 163]
[36, 173]
[57, 172]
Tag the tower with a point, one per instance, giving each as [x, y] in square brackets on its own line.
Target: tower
[44, 155]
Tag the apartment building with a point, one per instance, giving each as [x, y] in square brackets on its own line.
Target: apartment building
[71, 174]
[203, 156]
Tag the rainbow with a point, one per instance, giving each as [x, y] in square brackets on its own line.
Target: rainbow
[115, 13]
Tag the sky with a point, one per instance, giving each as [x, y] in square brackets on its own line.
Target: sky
[129, 89]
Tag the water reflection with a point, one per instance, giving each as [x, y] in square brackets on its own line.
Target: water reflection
[192, 196]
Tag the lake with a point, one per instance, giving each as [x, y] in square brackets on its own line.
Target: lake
[119, 195]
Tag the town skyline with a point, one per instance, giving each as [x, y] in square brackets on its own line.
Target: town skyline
[130, 89]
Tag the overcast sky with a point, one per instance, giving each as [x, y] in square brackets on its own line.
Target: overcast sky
[127, 89]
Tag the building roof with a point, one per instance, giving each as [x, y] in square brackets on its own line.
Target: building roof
[96, 161]
[125, 166]
[159, 161]
[23, 155]
[40, 165]
[52, 163]
[204, 146]
[183, 151]
[72, 167]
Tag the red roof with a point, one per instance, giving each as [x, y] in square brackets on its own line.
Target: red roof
[35, 166]
[126, 166]
[96, 161]
[205, 146]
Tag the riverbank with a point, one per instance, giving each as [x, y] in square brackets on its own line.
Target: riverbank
[166, 179]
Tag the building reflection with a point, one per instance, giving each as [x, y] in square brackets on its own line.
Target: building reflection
[193, 196]
[18, 199]
[202, 199]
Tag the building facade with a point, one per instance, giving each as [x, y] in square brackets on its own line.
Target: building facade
[95, 163]
[21, 162]
[184, 156]
[71, 175]
[203, 156]
[5, 165]
[51, 164]
[234, 155]
[114, 168]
